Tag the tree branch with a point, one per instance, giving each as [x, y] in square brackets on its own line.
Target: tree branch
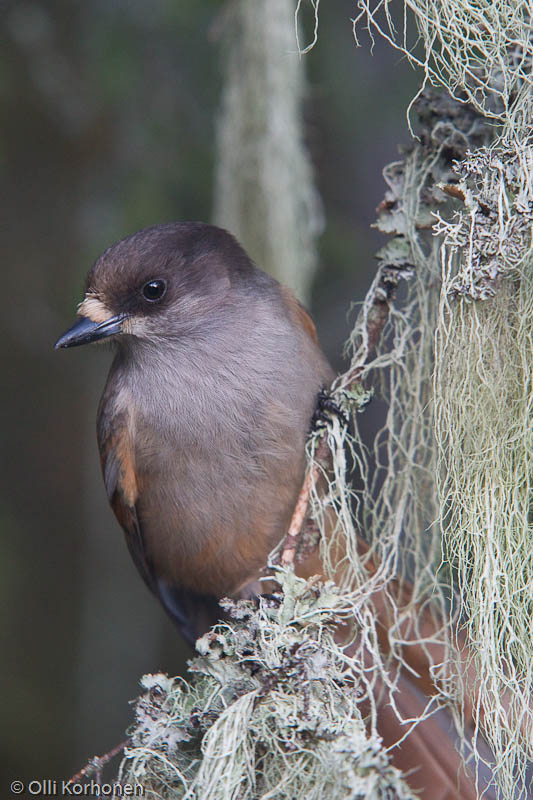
[377, 302]
[97, 763]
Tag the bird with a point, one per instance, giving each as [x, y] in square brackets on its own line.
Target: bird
[203, 421]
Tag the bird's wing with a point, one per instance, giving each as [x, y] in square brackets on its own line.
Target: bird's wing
[193, 613]
[118, 468]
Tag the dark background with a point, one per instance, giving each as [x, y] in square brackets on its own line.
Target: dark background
[107, 125]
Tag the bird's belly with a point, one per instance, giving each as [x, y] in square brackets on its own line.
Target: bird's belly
[209, 520]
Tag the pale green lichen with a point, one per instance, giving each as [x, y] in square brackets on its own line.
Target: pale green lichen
[483, 424]
[270, 711]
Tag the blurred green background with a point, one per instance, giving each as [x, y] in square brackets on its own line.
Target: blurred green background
[108, 125]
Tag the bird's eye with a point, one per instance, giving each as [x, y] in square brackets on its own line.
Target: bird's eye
[154, 290]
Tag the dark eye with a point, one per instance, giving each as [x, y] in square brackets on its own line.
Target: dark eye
[154, 290]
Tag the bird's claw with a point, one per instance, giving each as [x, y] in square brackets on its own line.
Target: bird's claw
[326, 406]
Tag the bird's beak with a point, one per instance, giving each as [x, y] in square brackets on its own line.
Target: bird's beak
[85, 331]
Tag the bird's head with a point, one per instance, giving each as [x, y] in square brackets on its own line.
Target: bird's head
[163, 282]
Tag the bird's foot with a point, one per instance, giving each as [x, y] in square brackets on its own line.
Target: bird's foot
[326, 406]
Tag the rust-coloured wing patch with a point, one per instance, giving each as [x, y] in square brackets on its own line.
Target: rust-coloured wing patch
[298, 313]
[118, 464]
[118, 468]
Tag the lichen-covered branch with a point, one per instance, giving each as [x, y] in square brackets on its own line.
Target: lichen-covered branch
[270, 711]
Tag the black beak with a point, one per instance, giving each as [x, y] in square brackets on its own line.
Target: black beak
[85, 331]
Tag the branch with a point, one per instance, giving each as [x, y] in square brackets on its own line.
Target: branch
[97, 763]
[377, 303]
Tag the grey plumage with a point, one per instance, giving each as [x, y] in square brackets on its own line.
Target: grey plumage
[203, 422]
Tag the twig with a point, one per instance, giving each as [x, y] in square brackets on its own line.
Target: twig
[97, 763]
[377, 316]
[295, 528]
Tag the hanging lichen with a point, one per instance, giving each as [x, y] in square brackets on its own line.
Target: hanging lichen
[265, 194]
[481, 54]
